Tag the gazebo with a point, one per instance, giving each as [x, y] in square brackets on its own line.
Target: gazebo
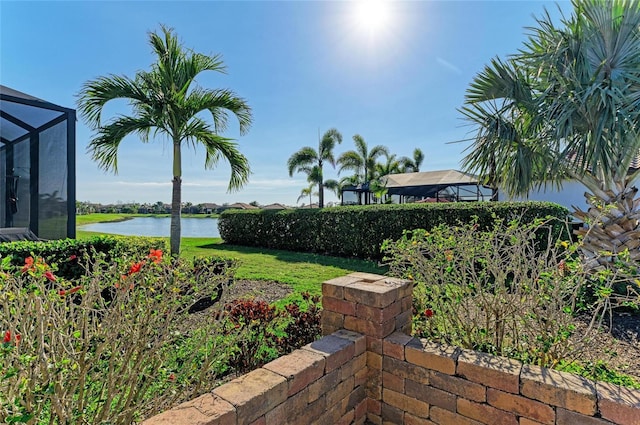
[37, 168]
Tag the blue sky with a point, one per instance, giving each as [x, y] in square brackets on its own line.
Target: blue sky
[303, 67]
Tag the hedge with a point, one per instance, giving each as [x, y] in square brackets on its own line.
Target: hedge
[72, 255]
[358, 231]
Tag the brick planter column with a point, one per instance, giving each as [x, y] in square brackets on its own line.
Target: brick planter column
[374, 306]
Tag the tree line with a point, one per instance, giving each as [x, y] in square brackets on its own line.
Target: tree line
[363, 163]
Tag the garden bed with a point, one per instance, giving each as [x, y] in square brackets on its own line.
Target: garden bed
[619, 348]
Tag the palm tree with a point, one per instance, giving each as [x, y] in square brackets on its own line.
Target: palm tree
[361, 161]
[567, 106]
[412, 165]
[307, 191]
[309, 161]
[392, 166]
[166, 101]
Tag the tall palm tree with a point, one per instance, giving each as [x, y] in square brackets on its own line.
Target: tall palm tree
[166, 101]
[568, 106]
[412, 165]
[361, 161]
[309, 161]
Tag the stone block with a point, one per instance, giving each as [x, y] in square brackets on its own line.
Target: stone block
[336, 351]
[567, 417]
[428, 394]
[458, 386]
[405, 370]
[521, 406]
[369, 328]
[392, 382]
[208, 409]
[445, 417]
[393, 345]
[405, 403]
[379, 315]
[492, 371]
[319, 388]
[484, 413]
[300, 369]
[431, 355]
[254, 394]
[338, 305]
[359, 340]
[619, 404]
[556, 388]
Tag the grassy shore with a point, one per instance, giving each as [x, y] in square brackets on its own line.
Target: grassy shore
[303, 271]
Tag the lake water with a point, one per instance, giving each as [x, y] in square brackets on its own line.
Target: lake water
[158, 226]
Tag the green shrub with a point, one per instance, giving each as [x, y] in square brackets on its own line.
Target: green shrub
[358, 231]
[268, 332]
[494, 290]
[72, 256]
[512, 289]
[113, 346]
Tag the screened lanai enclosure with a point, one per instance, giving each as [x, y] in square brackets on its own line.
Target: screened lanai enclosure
[427, 186]
[37, 168]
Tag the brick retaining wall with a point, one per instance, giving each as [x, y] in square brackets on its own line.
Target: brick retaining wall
[367, 368]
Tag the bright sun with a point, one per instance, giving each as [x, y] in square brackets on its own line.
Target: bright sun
[372, 15]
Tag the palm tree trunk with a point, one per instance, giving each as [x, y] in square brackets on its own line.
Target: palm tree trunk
[611, 227]
[175, 216]
[320, 195]
[176, 195]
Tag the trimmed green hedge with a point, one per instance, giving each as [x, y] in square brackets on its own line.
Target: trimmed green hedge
[70, 254]
[358, 231]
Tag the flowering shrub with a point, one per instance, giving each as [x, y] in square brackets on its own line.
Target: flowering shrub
[509, 290]
[109, 347]
[267, 332]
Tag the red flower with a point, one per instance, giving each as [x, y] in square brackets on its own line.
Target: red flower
[428, 313]
[155, 255]
[18, 338]
[448, 254]
[73, 257]
[28, 264]
[172, 377]
[123, 287]
[7, 337]
[135, 267]
[62, 292]
[50, 276]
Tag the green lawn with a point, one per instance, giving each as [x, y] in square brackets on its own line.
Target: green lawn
[303, 271]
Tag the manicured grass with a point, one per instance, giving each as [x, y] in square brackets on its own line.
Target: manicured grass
[305, 272]
[112, 217]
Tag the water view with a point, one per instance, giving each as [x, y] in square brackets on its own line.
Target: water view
[158, 226]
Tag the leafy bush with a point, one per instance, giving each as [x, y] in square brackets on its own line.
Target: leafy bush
[358, 231]
[110, 347]
[497, 290]
[73, 256]
[267, 332]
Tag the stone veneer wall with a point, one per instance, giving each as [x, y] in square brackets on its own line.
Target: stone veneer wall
[367, 368]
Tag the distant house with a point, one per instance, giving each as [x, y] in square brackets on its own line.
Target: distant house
[238, 206]
[275, 207]
[314, 205]
[208, 208]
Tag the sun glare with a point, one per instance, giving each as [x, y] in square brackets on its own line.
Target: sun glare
[372, 15]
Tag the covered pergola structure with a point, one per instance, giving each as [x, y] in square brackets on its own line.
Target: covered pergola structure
[37, 168]
[428, 186]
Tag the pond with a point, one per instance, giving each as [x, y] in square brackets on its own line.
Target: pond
[158, 226]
